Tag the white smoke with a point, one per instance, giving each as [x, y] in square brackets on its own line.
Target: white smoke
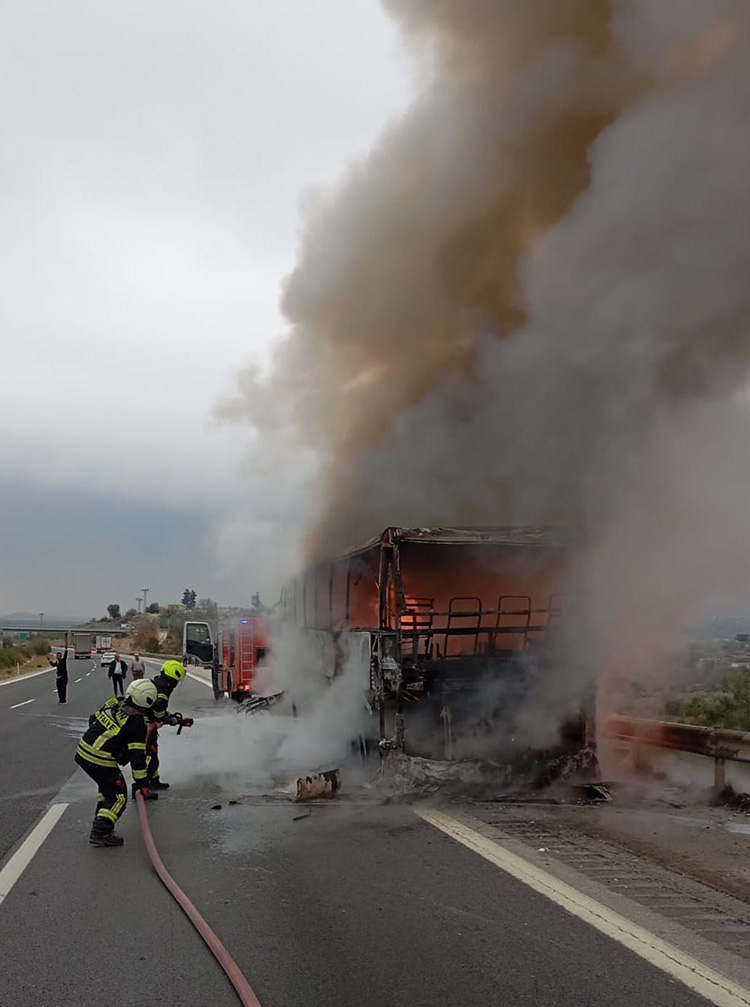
[531, 303]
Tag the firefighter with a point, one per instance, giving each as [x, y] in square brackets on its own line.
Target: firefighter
[170, 676]
[116, 735]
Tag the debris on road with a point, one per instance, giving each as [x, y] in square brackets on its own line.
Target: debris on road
[257, 704]
[729, 798]
[298, 818]
[318, 785]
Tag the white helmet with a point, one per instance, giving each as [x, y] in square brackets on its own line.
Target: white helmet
[142, 694]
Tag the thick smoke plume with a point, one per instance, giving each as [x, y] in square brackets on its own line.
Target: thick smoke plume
[531, 301]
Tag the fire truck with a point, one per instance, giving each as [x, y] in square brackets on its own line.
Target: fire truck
[240, 651]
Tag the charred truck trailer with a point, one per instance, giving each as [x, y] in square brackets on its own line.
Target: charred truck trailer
[454, 633]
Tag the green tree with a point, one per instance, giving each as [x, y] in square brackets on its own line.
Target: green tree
[189, 598]
[114, 611]
[154, 608]
[729, 707]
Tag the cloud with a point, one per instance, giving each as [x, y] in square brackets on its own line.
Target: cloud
[152, 166]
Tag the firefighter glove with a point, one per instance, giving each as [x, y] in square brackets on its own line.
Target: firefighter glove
[144, 791]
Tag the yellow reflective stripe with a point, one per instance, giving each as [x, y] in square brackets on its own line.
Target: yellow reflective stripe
[103, 738]
[137, 746]
[94, 752]
[98, 758]
[139, 774]
[113, 813]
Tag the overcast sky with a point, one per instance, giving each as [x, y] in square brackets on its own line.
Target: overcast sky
[153, 159]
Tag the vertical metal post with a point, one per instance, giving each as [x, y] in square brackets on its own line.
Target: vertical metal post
[445, 713]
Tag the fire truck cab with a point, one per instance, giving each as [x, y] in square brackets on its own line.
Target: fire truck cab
[241, 650]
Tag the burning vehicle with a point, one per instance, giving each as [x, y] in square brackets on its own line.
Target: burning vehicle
[454, 634]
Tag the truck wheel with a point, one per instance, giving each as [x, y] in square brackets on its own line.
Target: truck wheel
[216, 685]
[229, 687]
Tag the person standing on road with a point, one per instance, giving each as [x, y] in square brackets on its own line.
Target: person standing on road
[138, 667]
[116, 735]
[170, 676]
[60, 663]
[117, 671]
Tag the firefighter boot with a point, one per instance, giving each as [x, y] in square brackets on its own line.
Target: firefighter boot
[104, 837]
[158, 785]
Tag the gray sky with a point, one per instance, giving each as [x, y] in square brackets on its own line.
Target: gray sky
[152, 163]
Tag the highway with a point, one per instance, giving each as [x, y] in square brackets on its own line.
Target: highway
[361, 902]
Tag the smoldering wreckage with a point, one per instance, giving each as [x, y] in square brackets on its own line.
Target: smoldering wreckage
[453, 638]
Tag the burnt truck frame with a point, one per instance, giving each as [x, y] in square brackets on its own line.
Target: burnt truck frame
[443, 618]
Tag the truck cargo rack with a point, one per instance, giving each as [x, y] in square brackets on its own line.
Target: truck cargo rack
[428, 633]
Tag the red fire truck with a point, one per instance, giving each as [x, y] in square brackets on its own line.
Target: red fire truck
[241, 648]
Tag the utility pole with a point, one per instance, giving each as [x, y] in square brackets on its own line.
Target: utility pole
[41, 620]
[145, 596]
[138, 601]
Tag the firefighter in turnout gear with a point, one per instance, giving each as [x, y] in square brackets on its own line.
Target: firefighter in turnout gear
[116, 735]
[170, 676]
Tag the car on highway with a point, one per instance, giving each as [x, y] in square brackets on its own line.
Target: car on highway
[107, 658]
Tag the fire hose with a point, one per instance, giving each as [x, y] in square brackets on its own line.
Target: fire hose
[229, 965]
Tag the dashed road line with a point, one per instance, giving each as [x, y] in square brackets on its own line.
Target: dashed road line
[79, 680]
[694, 974]
[25, 703]
[28, 848]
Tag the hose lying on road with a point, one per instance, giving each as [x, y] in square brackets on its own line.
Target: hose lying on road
[230, 966]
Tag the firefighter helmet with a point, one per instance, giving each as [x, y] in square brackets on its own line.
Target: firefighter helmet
[173, 669]
[142, 693]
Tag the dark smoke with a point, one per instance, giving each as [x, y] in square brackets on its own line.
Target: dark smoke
[532, 299]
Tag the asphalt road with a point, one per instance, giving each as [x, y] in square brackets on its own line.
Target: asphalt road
[358, 903]
[35, 742]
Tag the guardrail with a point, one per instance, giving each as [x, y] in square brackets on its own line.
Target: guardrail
[717, 743]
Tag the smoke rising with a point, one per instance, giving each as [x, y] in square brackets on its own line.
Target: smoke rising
[530, 302]
[311, 729]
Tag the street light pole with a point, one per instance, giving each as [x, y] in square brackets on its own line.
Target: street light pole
[145, 596]
[138, 601]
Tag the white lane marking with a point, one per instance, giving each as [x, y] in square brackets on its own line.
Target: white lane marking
[79, 680]
[25, 703]
[87, 674]
[25, 676]
[716, 988]
[26, 851]
[190, 674]
[196, 678]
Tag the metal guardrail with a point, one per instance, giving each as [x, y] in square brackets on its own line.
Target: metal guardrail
[717, 743]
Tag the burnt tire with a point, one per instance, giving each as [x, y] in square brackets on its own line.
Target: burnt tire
[216, 685]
